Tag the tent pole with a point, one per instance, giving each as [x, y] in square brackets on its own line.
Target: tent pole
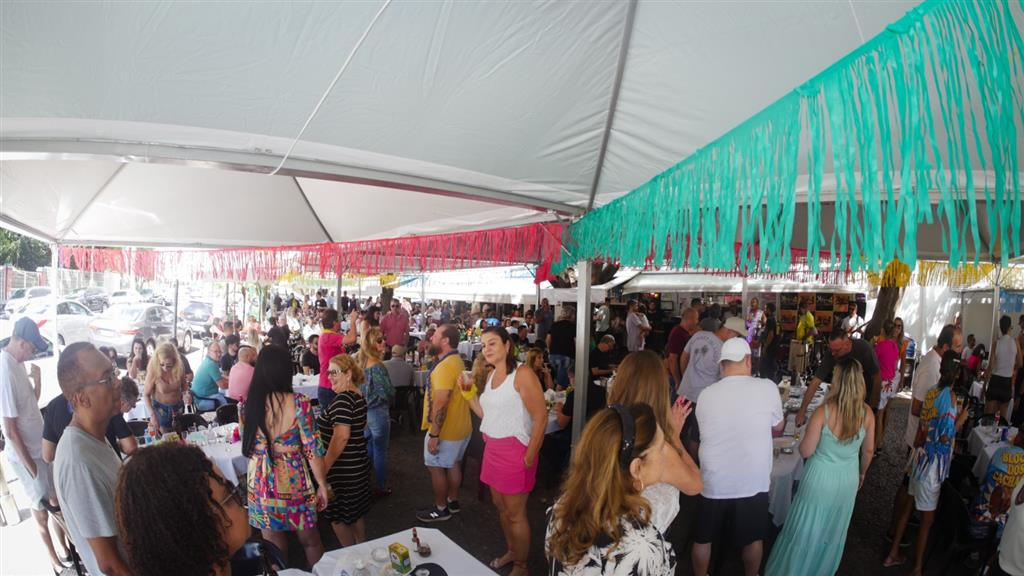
[996, 295]
[583, 317]
[175, 329]
[337, 295]
[744, 296]
[55, 294]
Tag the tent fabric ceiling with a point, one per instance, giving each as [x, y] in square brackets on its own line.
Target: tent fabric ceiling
[503, 104]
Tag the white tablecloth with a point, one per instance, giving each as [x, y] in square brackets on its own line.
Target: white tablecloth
[469, 349]
[140, 412]
[552, 422]
[983, 436]
[976, 388]
[228, 457]
[419, 378]
[787, 469]
[444, 553]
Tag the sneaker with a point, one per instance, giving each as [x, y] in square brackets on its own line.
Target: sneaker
[434, 515]
[453, 506]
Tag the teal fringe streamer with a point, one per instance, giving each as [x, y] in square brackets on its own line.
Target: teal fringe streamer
[894, 122]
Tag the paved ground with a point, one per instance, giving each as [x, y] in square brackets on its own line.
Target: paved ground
[477, 530]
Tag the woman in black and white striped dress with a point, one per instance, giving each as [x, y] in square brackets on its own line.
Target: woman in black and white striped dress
[341, 428]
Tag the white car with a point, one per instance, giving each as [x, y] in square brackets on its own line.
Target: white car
[125, 297]
[22, 296]
[72, 320]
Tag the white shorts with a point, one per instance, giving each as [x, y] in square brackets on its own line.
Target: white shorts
[926, 489]
[36, 489]
[889, 389]
[449, 452]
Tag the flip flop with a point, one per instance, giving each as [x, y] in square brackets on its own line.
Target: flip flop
[889, 563]
[497, 564]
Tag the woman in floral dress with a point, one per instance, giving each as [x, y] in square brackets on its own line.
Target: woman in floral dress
[281, 442]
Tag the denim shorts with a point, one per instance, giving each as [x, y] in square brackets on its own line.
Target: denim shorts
[449, 452]
[165, 412]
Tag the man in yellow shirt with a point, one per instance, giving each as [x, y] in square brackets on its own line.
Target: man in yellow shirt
[446, 420]
[805, 333]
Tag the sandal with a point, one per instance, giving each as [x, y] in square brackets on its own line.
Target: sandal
[890, 562]
[499, 563]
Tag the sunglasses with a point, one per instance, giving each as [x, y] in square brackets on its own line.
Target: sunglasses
[235, 493]
[380, 340]
[167, 366]
[334, 372]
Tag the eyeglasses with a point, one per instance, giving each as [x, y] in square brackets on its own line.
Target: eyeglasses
[167, 366]
[234, 493]
[108, 380]
[333, 372]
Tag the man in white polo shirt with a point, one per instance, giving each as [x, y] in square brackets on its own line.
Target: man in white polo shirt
[736, 415]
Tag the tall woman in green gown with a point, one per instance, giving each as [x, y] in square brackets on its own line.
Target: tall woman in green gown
[839, 444]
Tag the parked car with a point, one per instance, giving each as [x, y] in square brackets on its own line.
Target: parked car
[21, 297]
[47, 362]
[121, 324]
[72, 320]
[199, 316]
[94, 299]
[125, 297]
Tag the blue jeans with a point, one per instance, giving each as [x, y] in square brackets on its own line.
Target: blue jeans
[378, 434]
[561, 365]
[209, 403]
[325, 396]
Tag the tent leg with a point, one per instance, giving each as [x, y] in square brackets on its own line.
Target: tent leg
[337, 295]
[55, 293]
[583, 317]
[175, 329]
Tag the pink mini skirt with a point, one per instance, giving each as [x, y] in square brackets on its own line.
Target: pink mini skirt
[503, 469]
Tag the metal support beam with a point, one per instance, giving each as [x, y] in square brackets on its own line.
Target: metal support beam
[264, 162]
[583, 317]
[55, 294]
[627, 34]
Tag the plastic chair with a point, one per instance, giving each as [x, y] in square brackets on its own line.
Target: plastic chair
[951, 542]
[58, 518]
[138, 427]
[186, 421]
[227, 414]
[257, 557]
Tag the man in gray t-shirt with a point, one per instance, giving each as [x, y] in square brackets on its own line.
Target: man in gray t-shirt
[86, 467]
[699, 360]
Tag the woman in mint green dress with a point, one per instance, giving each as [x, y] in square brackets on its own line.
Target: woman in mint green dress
[839, 444]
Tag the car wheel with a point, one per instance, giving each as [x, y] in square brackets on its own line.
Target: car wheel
[187, 342]
[150, 347]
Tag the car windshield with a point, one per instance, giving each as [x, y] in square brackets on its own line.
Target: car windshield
[19, 293]
[37, 308]
[129, 313]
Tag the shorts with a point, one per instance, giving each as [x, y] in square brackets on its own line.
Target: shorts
[503, 468]
[925, 489]
[888, 391]
[165, 412]
[797, 356]
[449, 452]
[39, 488]
[1000, 389]
[739, 520]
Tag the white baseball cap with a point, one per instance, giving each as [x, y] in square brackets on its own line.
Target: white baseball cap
[737, 325]
[735, 350]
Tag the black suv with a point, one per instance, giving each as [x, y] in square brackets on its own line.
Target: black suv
[94, 299]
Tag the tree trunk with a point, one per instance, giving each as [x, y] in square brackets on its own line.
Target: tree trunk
[386, 295]
[885, 309]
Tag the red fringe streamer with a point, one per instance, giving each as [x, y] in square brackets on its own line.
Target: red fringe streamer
[534, 243]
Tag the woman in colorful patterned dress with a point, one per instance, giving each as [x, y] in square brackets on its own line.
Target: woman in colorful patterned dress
[281, 442]
[348, 466]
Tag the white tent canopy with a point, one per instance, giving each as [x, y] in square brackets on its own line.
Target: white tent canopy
[157, 123]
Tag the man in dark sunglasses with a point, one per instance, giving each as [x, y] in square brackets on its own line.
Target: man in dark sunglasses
[395, 325]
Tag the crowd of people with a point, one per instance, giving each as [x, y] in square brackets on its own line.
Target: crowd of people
[670, 423]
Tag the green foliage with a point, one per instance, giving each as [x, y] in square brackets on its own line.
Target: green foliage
[23, 252]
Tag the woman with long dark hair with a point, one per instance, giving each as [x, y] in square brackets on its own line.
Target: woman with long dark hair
[138, 359]
[280, 439]
[195, 525]
[513, 418]
[601, 524]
